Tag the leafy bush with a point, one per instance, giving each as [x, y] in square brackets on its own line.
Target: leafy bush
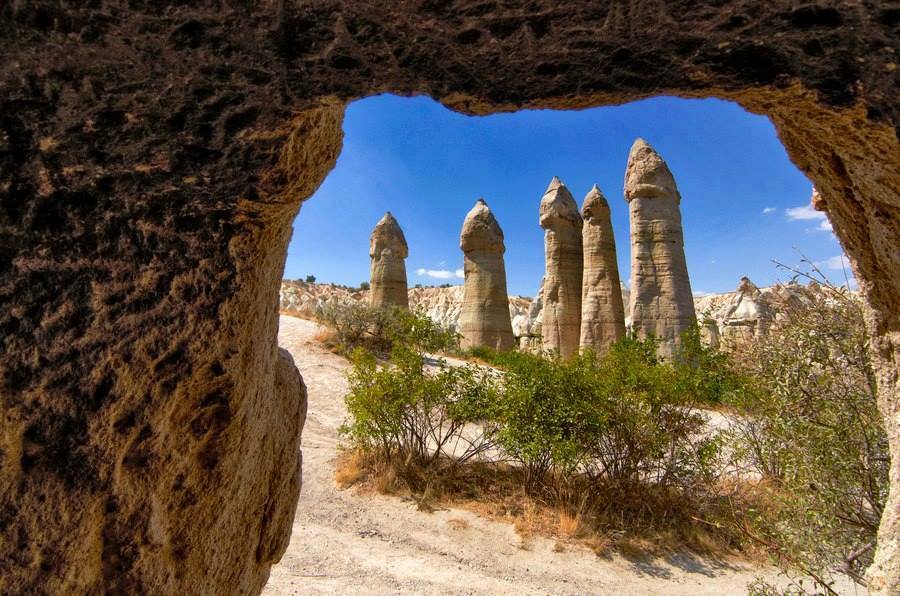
[406, 410]
[706, 373]
[813, 430]
[624, 419]
[310, 279]
[357, 324]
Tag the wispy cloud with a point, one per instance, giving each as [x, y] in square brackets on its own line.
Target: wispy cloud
[440, 273]
[803, 213]
[701, 294]
[837, 263]
[768, 210]
[807, 213]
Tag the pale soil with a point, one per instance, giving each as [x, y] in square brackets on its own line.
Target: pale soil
[349, 543]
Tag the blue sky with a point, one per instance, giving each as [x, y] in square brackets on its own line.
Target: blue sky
[743, 202]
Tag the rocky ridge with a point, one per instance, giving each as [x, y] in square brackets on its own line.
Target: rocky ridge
[728, 317]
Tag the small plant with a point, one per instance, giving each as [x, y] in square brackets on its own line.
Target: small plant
[364, 285]
[310, 279]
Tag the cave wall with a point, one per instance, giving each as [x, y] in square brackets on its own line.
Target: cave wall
[153, 156]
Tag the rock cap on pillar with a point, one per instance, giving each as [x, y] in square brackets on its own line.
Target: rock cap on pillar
[595, 205]
[647, 174]
[481, 231]
[558, 206]
[388, 235]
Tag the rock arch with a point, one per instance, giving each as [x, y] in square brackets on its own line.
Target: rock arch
[153, 155]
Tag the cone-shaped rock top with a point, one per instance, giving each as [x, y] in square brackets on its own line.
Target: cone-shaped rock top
[558, 206]
[388, 235]
[480, 230]
[746, 286]
[647, 174]
[595, 205]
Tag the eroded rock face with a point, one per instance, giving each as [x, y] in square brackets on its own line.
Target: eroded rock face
[602, 310]
[388, 251]
[152, 158]
[561, 288]
[484, 318]
[662, 304]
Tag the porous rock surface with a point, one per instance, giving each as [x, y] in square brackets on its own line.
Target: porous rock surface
[662, 304]
[153, 156]
[484, 317]
[602, 310]
[563, 258]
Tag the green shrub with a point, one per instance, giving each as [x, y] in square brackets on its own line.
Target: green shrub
[377, 329]
[812, 428]
[623, 419]
[706, 373]
[404, 409]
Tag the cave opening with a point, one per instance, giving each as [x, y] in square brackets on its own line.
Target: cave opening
[744, 205]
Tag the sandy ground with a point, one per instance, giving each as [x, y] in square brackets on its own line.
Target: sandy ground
[345, 543]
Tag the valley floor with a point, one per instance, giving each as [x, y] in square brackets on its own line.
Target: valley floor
[346, 543]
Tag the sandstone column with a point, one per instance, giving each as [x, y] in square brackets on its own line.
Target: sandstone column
[602, 310]
[661, 300]
[387, 248]
[562, 223]
[484, 319]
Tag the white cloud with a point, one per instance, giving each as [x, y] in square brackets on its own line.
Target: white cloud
[768, 210]
[440, 273]
[807, 213]
[701, 294]
[837, 263]
[803, 213]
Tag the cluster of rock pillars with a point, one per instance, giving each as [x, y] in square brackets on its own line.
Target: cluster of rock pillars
[581, 292]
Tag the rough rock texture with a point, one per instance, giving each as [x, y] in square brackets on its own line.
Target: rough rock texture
[749, 311]
[662, 303]
[484, 317]
[602, 310]
[388, 251]
[304, 299]
[153, 155]
[441, 304]
[561, 287]
[746, 314]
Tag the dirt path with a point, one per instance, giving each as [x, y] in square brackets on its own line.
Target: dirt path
[343, 543]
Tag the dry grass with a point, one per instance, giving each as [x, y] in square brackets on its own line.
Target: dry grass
[329, 339]
[351, 469]
[637, 521]
[458, 523]
[297, 314]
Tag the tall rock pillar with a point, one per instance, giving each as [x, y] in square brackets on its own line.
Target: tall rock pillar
[388, 250]
[561, 327]
[662, 304]
[602, 310]
[484, 319]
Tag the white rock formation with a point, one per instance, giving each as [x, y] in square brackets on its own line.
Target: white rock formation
[561, 290]
[662, 304]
